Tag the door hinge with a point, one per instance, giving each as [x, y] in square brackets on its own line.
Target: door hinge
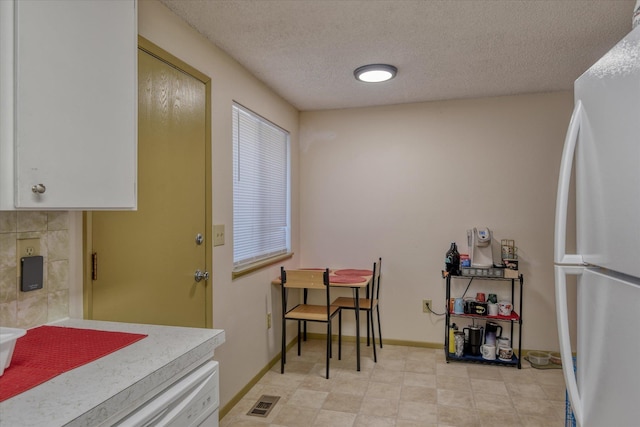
[94, 266]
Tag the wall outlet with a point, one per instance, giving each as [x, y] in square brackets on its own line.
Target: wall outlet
[28, 247]
[268, 320]
[426, 306]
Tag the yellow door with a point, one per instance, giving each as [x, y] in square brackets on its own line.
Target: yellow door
[146, 260]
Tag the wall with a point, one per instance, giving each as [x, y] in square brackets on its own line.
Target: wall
[403, 182]
[28, 309]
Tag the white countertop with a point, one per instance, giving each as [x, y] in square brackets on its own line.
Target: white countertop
[114, 384]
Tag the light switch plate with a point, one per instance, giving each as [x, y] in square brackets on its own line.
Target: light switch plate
[218, 235]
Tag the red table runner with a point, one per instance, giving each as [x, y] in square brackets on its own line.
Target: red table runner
[346, 279]
[48, 351]
[353, 272]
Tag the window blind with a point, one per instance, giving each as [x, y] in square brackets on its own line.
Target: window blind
[260, 189]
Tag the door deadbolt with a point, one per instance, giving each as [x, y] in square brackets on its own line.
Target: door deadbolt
[199, 239]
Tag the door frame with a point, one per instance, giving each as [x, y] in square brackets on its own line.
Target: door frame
[87, 238]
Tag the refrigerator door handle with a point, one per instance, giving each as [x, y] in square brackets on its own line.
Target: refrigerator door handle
[562, 199]
[565, 340]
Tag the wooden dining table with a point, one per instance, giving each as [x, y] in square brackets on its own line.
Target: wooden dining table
[344, 278]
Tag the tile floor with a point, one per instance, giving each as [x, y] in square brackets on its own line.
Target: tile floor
[409, 386]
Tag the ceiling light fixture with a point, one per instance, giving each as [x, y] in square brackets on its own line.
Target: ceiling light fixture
[375, 73]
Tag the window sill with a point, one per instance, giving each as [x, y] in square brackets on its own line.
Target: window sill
[259, 265]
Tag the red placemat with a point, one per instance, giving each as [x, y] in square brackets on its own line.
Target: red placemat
[354, 272]
[48, 351]
[346, 279]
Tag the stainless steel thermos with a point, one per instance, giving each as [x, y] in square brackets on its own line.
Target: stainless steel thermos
[476, 335]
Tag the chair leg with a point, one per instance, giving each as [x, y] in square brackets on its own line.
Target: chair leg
[306, 294]
[329, 339]
[368, 339]
[339, 340]
[298, 338]
[340, 335]
[328, 346]
[373, 334]
[283, 353]
[379, 329]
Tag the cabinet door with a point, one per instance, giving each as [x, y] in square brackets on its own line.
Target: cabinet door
[75, 104]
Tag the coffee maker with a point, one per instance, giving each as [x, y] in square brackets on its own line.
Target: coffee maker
[481, 252]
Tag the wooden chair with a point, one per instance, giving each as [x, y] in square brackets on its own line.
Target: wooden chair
[367, 304]
[324, 313]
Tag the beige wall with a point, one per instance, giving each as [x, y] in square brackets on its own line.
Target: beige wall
[403, 182]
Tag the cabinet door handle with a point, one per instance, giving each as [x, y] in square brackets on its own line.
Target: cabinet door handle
[39, 188]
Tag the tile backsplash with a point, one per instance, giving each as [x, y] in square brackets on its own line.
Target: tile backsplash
[28, 309]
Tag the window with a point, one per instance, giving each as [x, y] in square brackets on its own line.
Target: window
[261, 219]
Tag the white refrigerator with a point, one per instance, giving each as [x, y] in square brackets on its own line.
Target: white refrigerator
[603, 143]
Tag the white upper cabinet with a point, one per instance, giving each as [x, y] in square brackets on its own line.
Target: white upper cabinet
[68, 104]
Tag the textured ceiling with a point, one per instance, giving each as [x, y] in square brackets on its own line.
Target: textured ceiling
[306, 50]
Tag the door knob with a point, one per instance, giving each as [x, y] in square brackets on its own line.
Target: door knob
[199, 275]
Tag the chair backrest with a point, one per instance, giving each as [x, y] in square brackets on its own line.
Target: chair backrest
[371, 289]
[376, 280]
[305, 279]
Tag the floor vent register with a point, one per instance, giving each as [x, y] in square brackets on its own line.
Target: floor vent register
[263, 406]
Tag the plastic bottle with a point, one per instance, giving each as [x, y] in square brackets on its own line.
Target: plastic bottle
[452, 342]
